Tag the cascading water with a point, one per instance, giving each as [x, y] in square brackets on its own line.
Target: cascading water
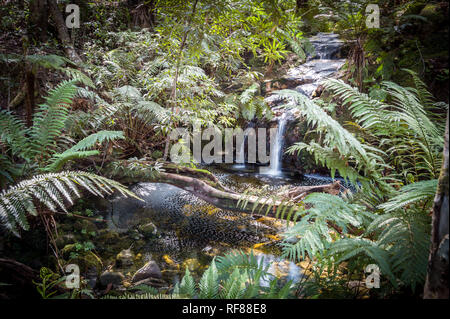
[276, 155]
[240, 156]
[305, 79]
[187, 231]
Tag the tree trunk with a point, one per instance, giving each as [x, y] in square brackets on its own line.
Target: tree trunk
[436, 285]
[39, 19]
[173, 95]
[29, 101]
[63, 33]
[19, 279]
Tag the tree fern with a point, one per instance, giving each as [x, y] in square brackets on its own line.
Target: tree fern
[234, 286]
[187, 286]
[313, 233]
[404, 129]
[405, 235]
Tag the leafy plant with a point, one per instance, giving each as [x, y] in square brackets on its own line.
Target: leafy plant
[52, 190]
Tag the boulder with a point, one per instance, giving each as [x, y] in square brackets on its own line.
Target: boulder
[125, 258]
[148, 230]
[111, 277]
[149, 270]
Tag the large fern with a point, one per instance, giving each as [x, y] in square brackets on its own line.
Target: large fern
[81, 149]
[404, 129]
[234, 275]
[54, 191]
[339, 149]
[49, 120]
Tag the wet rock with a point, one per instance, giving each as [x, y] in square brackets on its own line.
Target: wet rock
[149, 270]
[125, 258]
[148, 230]
[154, 282]
[111, 277]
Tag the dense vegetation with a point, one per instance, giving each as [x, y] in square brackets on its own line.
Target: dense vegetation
[85, 112]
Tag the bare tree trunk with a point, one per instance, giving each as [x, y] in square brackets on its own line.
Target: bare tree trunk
[436, 285]
[29, 101]
[39, 19]
[63, 33]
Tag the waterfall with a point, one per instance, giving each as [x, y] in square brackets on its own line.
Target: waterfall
[276, 152]
[240, 157]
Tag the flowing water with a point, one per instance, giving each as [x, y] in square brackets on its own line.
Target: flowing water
[191, 232]
[276, 155]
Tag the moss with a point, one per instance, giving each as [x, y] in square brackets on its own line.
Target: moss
[433, 13]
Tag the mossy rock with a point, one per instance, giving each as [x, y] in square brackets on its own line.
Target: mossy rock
[157, 154]
[125, 258]
[434, 13]
[107, 237]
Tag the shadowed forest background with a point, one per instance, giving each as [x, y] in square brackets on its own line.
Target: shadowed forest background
[358, 178]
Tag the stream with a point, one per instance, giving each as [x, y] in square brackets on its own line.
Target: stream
[190, 232]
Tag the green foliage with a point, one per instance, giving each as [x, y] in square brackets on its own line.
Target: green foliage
[53, 191]
[80, 150]
[394, 143]
[251, 105]
[404, 129]
[235, 275]
[49, 281]
[340, 150]
[49, 120]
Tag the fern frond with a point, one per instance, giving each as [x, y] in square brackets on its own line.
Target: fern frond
[187, 286]
[209, 283]
[52, 191]
[96, 138]
[59, 160]
[423, 191]
[13, 132]
[49, 120]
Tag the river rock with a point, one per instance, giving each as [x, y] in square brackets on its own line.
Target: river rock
[148, 230]
[149, 270]
[111, 277]
[125, 258]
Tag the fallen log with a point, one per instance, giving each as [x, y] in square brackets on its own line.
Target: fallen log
[300, 192]
[206, 186]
